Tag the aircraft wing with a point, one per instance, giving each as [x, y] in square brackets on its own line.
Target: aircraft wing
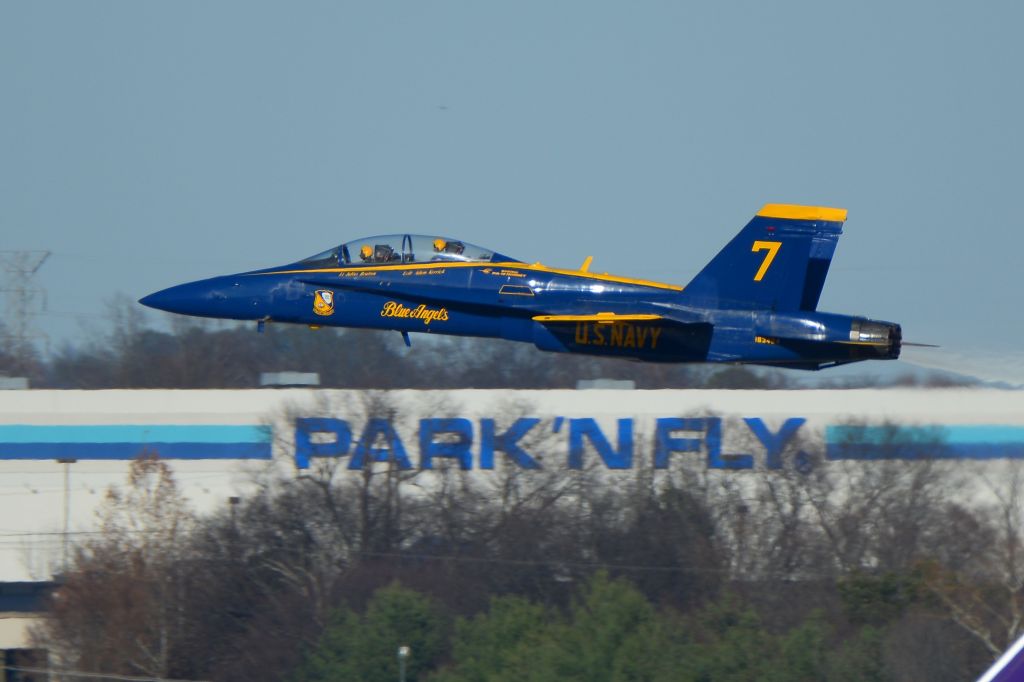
[625, 334]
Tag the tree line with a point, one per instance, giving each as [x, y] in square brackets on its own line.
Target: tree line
[878, 571]
[128, 351]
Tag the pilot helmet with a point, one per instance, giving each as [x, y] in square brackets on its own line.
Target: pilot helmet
[439, 244]
[366, 251]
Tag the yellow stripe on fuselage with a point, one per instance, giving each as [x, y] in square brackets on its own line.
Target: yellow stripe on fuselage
[534, 267]
[795, 212]
[602, 318]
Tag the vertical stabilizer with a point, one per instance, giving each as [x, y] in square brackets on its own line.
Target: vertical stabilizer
[779, 261]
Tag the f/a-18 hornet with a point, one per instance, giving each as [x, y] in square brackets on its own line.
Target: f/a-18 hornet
[755, 302]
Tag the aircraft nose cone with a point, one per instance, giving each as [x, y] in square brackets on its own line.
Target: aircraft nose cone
[216, 297]
[159, 300]
[185, 299]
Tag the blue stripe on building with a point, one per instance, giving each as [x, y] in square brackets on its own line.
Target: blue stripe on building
[966, 441]
[128, 441]
[133, 433]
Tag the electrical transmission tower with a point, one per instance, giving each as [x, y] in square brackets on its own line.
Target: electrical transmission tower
[24, 299]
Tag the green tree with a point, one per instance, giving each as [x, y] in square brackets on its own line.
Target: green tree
[657, 653]
[859, 659]
[335, 653]
[366, 648]
[878, 599]
[730, 644]
[497, 645]
[606, 620]
[802, 652]
[607, 628]
[605, 625]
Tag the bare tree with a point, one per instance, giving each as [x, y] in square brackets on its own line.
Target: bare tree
[883, 514]
[119, 608]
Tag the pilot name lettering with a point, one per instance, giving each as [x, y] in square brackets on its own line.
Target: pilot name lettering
[420, 312]
[503, 272]
[618, 335]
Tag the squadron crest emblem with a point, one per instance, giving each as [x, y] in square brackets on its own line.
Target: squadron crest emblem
[323, 302]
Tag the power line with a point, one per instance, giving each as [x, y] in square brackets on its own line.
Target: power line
[88, 675]
[592, 565]
[20, 534]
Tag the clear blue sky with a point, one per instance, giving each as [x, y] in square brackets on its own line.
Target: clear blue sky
[150, 143]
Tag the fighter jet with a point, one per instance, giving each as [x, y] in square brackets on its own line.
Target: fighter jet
[754, 303]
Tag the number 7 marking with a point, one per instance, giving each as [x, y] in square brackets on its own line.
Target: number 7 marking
[772, 248]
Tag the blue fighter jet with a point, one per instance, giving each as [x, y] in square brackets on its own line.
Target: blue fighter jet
[755, 302]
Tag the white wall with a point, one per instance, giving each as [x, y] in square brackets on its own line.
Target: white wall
[14, 630]
[32, 492]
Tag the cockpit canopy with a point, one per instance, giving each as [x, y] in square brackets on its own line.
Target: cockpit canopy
[402, 248]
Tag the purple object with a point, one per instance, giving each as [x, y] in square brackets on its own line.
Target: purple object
[1009, 667]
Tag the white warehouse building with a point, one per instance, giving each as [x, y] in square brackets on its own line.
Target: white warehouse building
[60, 451]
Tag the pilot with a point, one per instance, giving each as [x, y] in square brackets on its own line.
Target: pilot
[366, 253]
[442, 246]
